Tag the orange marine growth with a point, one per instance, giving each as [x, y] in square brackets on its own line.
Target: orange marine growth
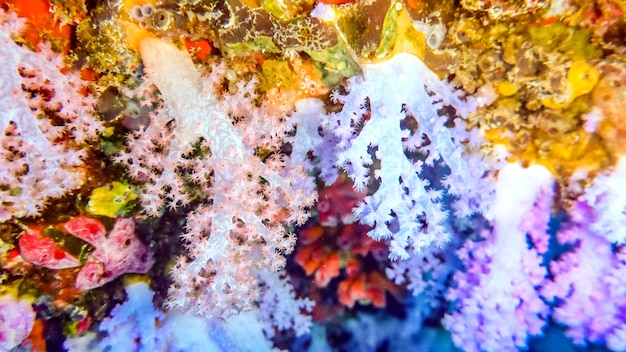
[346, 253]
[41, 24]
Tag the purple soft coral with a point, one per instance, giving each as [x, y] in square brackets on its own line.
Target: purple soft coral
[497, 306]
[589, 283]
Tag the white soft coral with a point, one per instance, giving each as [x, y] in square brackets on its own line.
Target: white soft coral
[35, 165]
[389, 112]
[241, 227]
[607, 197]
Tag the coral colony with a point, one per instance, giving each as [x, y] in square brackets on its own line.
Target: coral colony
[352, 175]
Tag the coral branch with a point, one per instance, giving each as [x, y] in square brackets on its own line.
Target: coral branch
[241, 229]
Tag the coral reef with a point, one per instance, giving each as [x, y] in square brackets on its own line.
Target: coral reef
[242, 175]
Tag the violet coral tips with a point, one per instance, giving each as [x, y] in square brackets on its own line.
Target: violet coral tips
[394, 109]
[241, 229]
[36, 166]
[589, 282]
[589, 285]
[496, 306]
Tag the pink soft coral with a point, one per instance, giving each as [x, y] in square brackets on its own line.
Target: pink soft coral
[16, 321]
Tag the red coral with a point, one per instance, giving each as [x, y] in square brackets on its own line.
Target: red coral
[328, 270]
[351, 238]
[369, 287]
[336, 203]
[87, 229]
[118, 253]
[43, 251]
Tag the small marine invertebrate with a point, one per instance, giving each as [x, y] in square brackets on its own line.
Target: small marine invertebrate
[142, 14]
[581, 78]
[433, 29]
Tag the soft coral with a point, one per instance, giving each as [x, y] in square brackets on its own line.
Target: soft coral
[43, 112]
